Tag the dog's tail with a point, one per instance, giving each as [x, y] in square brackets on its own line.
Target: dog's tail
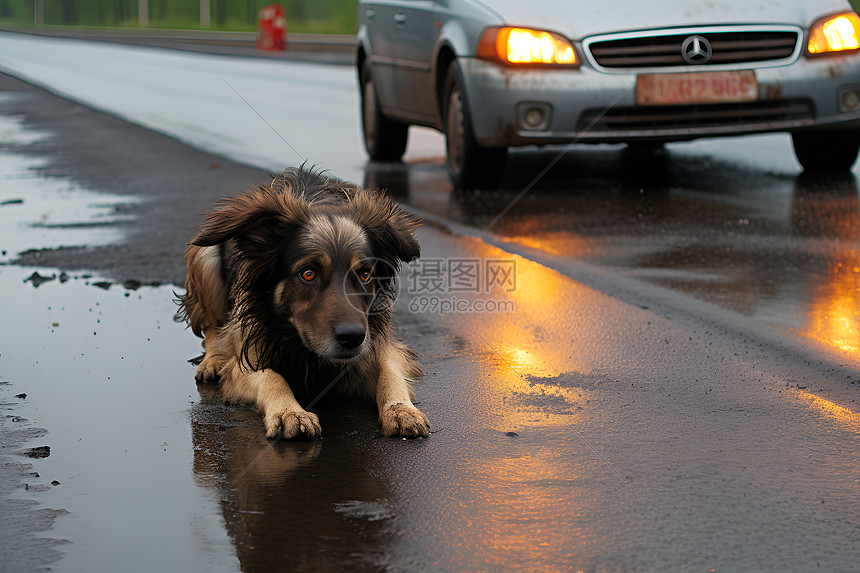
[205, 304]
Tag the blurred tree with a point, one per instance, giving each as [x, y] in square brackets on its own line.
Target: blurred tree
[221, 12]
[68, 13]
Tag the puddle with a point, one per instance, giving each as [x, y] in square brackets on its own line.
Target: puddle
[156, 473]
[39, 213]
[13, 132]
[104, 371]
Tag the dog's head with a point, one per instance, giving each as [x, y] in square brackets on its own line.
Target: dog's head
[316, 255]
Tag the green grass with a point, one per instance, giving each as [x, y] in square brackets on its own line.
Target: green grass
[303, 16]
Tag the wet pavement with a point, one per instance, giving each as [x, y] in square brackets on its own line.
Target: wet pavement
[764, 241]
[646, 364]
[254, 111]
[676, 449]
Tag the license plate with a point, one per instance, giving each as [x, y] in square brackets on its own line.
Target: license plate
[699, 87]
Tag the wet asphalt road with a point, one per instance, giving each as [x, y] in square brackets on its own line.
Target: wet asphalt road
[668, 384]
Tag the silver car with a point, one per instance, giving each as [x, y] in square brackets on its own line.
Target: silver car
[497, 73]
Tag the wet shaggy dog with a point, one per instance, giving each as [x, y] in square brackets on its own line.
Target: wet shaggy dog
[291, 286]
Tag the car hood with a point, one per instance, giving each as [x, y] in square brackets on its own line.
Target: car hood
[578, 20]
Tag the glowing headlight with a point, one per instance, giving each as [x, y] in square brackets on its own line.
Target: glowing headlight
[835, 34]
[526, 46]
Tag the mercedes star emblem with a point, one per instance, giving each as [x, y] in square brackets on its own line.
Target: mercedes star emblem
[696, 50]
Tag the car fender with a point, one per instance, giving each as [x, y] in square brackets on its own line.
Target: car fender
[458, 38]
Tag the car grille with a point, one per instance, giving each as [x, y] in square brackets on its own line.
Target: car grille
[729, 47]
[656, 118]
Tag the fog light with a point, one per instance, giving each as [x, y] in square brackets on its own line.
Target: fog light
[534, 116]
[850, 100]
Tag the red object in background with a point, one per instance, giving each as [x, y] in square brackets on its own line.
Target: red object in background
[272, 28]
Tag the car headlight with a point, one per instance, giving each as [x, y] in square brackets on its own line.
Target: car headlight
[836, 33]
[521, 46]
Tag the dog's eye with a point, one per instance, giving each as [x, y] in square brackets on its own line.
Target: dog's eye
[364, 276]
[308, 274]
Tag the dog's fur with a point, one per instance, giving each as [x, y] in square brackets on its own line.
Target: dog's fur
[291, 286]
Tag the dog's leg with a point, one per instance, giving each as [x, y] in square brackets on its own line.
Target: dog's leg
[213, 360]
[282, 414]
[205, 305]
[399, 417]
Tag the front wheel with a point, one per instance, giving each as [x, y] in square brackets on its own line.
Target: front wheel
[384, 139]
[826, 151]
[470, 164]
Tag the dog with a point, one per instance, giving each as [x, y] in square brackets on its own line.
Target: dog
[291, 286]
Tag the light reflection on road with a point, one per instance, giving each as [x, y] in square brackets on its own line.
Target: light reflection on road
[829, 209]
[836, 414]
[834, 313]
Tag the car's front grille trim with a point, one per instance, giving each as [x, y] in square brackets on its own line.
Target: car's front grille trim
[731, 45]
[656, 118]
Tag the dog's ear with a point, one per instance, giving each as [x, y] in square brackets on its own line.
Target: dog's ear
[242, 214]
[391, 230]
[397, 237]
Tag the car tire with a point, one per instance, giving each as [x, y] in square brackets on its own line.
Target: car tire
[826, 151]
[470, 165]
[384, 139]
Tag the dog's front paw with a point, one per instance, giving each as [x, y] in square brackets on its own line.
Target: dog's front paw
[208, 370]
[405, 420]
[293, 425]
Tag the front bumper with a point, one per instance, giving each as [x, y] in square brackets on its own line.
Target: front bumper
[589, 106]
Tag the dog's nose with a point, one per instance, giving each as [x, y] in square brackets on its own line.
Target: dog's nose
[349, 335]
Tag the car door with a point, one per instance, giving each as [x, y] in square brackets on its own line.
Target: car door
[417, 26]
[378, 20]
